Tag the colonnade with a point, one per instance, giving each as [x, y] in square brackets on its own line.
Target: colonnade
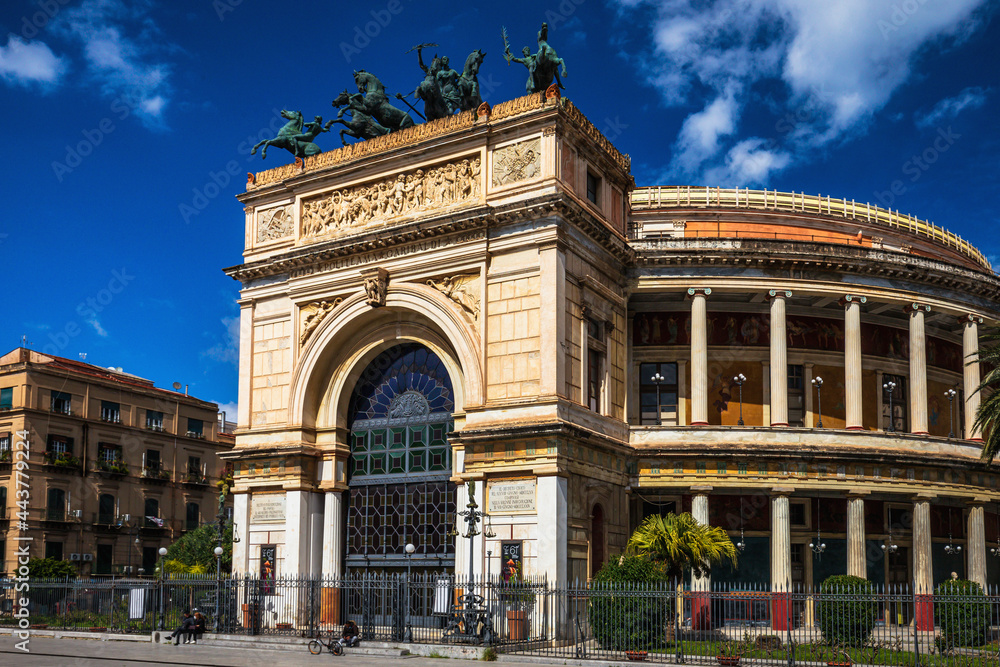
[854, 398]
[922, 564]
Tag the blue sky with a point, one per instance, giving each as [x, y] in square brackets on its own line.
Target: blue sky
[121, 119]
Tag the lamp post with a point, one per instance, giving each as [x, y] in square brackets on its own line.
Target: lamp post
[818, 383]
[472, 516]
[950, 395]
[162, 552]
[658, 379]
[409, 549]
[890, 387]
[218, 582]
[738, 380]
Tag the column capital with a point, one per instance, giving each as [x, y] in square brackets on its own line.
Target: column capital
[699, 291]
[779, 294]
[924, 497]
[970, 318]
[915, 307]
[702, 489]
[858, 493]
[782, 490]
[852, 298]
[978, 501]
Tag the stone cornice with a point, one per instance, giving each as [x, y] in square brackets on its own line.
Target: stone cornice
[805, 255]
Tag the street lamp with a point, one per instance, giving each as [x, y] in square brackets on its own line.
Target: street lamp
[950, 395]
[658, 380]
[738, 381]
[409, 549]
[818, 383]
[890, 387]
[218, 582]
[472, 516]
[162, 552]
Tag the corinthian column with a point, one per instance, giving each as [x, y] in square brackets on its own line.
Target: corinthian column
[699, 356]
[918, 369]
[852, 361]
[779, 358]
[970, 352]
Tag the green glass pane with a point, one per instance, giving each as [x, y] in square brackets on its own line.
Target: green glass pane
[438, 459]
[397, 463]
[397, 438]
[377, 439]
[418, 461]
[438, 435]
[377, 464]
[359, 441]
[418, 436]
[358, 464]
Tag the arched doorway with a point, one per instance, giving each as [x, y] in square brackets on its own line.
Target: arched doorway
[400, 415]
[596, 539]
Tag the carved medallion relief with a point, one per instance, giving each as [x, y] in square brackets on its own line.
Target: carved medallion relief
[517, 162]
[409, 193]
[273, 224]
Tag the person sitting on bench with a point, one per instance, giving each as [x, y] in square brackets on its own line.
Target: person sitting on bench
[198, 629]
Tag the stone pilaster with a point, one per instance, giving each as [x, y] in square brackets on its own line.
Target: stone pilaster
[853, 400]
[970, 352]
[779, 358]
[699, 355]
[857, 559]
[976, 544]
[918, 369]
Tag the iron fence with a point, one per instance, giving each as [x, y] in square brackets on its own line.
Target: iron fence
[955, 625]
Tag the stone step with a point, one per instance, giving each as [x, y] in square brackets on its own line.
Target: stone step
[280, 643]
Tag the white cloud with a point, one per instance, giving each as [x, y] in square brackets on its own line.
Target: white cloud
[749, 161]
[30, 63]
[122, 48]
[835, 64]
[96, 324]
[950, 107]
[227, 350]
[702, 131]
[230, 409]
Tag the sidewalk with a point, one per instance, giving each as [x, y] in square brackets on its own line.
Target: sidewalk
[87, 649]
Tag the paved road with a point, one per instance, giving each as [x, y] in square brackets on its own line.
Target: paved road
[47, 652]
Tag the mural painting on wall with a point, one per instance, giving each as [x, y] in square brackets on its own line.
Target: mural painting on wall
[813, 333]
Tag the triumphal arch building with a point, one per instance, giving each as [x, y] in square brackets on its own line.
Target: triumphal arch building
[488, 297]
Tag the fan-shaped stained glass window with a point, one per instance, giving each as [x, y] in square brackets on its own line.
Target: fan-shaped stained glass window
[401, 413]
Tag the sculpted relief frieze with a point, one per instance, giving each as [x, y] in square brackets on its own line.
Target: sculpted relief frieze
[313, 314]
[517, 162]
[273, 224]
[463, 290]
[406, 194]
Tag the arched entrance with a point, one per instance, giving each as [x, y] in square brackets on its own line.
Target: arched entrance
[400, 415]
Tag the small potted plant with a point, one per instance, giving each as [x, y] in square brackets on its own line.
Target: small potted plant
[837, 656]
[637, 656]
[518, 595]
[730, 652]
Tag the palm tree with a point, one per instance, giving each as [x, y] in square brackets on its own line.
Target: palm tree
[679, 542]
[988, 415]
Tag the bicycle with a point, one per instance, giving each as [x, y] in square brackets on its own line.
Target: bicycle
[336, 645]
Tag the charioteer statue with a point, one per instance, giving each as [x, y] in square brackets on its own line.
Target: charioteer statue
[543, 66]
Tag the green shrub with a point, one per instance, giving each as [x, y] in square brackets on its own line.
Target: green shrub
[628, 610]
[847, 611]
[50, 568]
[962, 612]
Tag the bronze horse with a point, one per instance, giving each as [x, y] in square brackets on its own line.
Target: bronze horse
[361, 126]
[376, 103]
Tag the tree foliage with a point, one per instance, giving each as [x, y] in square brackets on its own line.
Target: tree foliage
[194, 553]
[847, 611]
[50, 568]
[988, 415]
[963, 613]
[622, 621]
[678, 543]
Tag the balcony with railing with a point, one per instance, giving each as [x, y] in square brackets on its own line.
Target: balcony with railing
[111, 467]
[195, 478]
[688, 197]
[155, 472]
[62, 461]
